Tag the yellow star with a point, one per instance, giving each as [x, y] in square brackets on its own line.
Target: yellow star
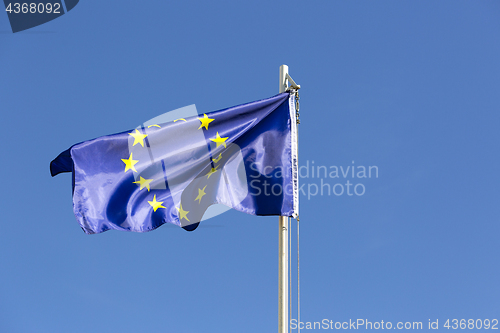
[144, 183]
[183, 213]
[219, 141]
[138, 137]
[156, 204]
[205, 121]
[129, 164]
[201, 193]
[212, 171]
[218, 158]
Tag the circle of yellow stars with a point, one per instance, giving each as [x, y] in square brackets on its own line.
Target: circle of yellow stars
[145, 183]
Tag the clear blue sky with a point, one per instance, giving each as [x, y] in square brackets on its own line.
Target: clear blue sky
[411, 87]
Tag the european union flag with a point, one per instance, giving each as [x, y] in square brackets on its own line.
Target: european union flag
[244, 157]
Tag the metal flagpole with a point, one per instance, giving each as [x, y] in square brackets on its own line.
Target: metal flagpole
[283, 323]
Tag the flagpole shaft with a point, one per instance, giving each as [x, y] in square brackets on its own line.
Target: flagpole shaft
[283, 73]
[283, 322]
[283, 275]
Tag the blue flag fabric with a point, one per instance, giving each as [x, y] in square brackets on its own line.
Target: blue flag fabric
[244, 157]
